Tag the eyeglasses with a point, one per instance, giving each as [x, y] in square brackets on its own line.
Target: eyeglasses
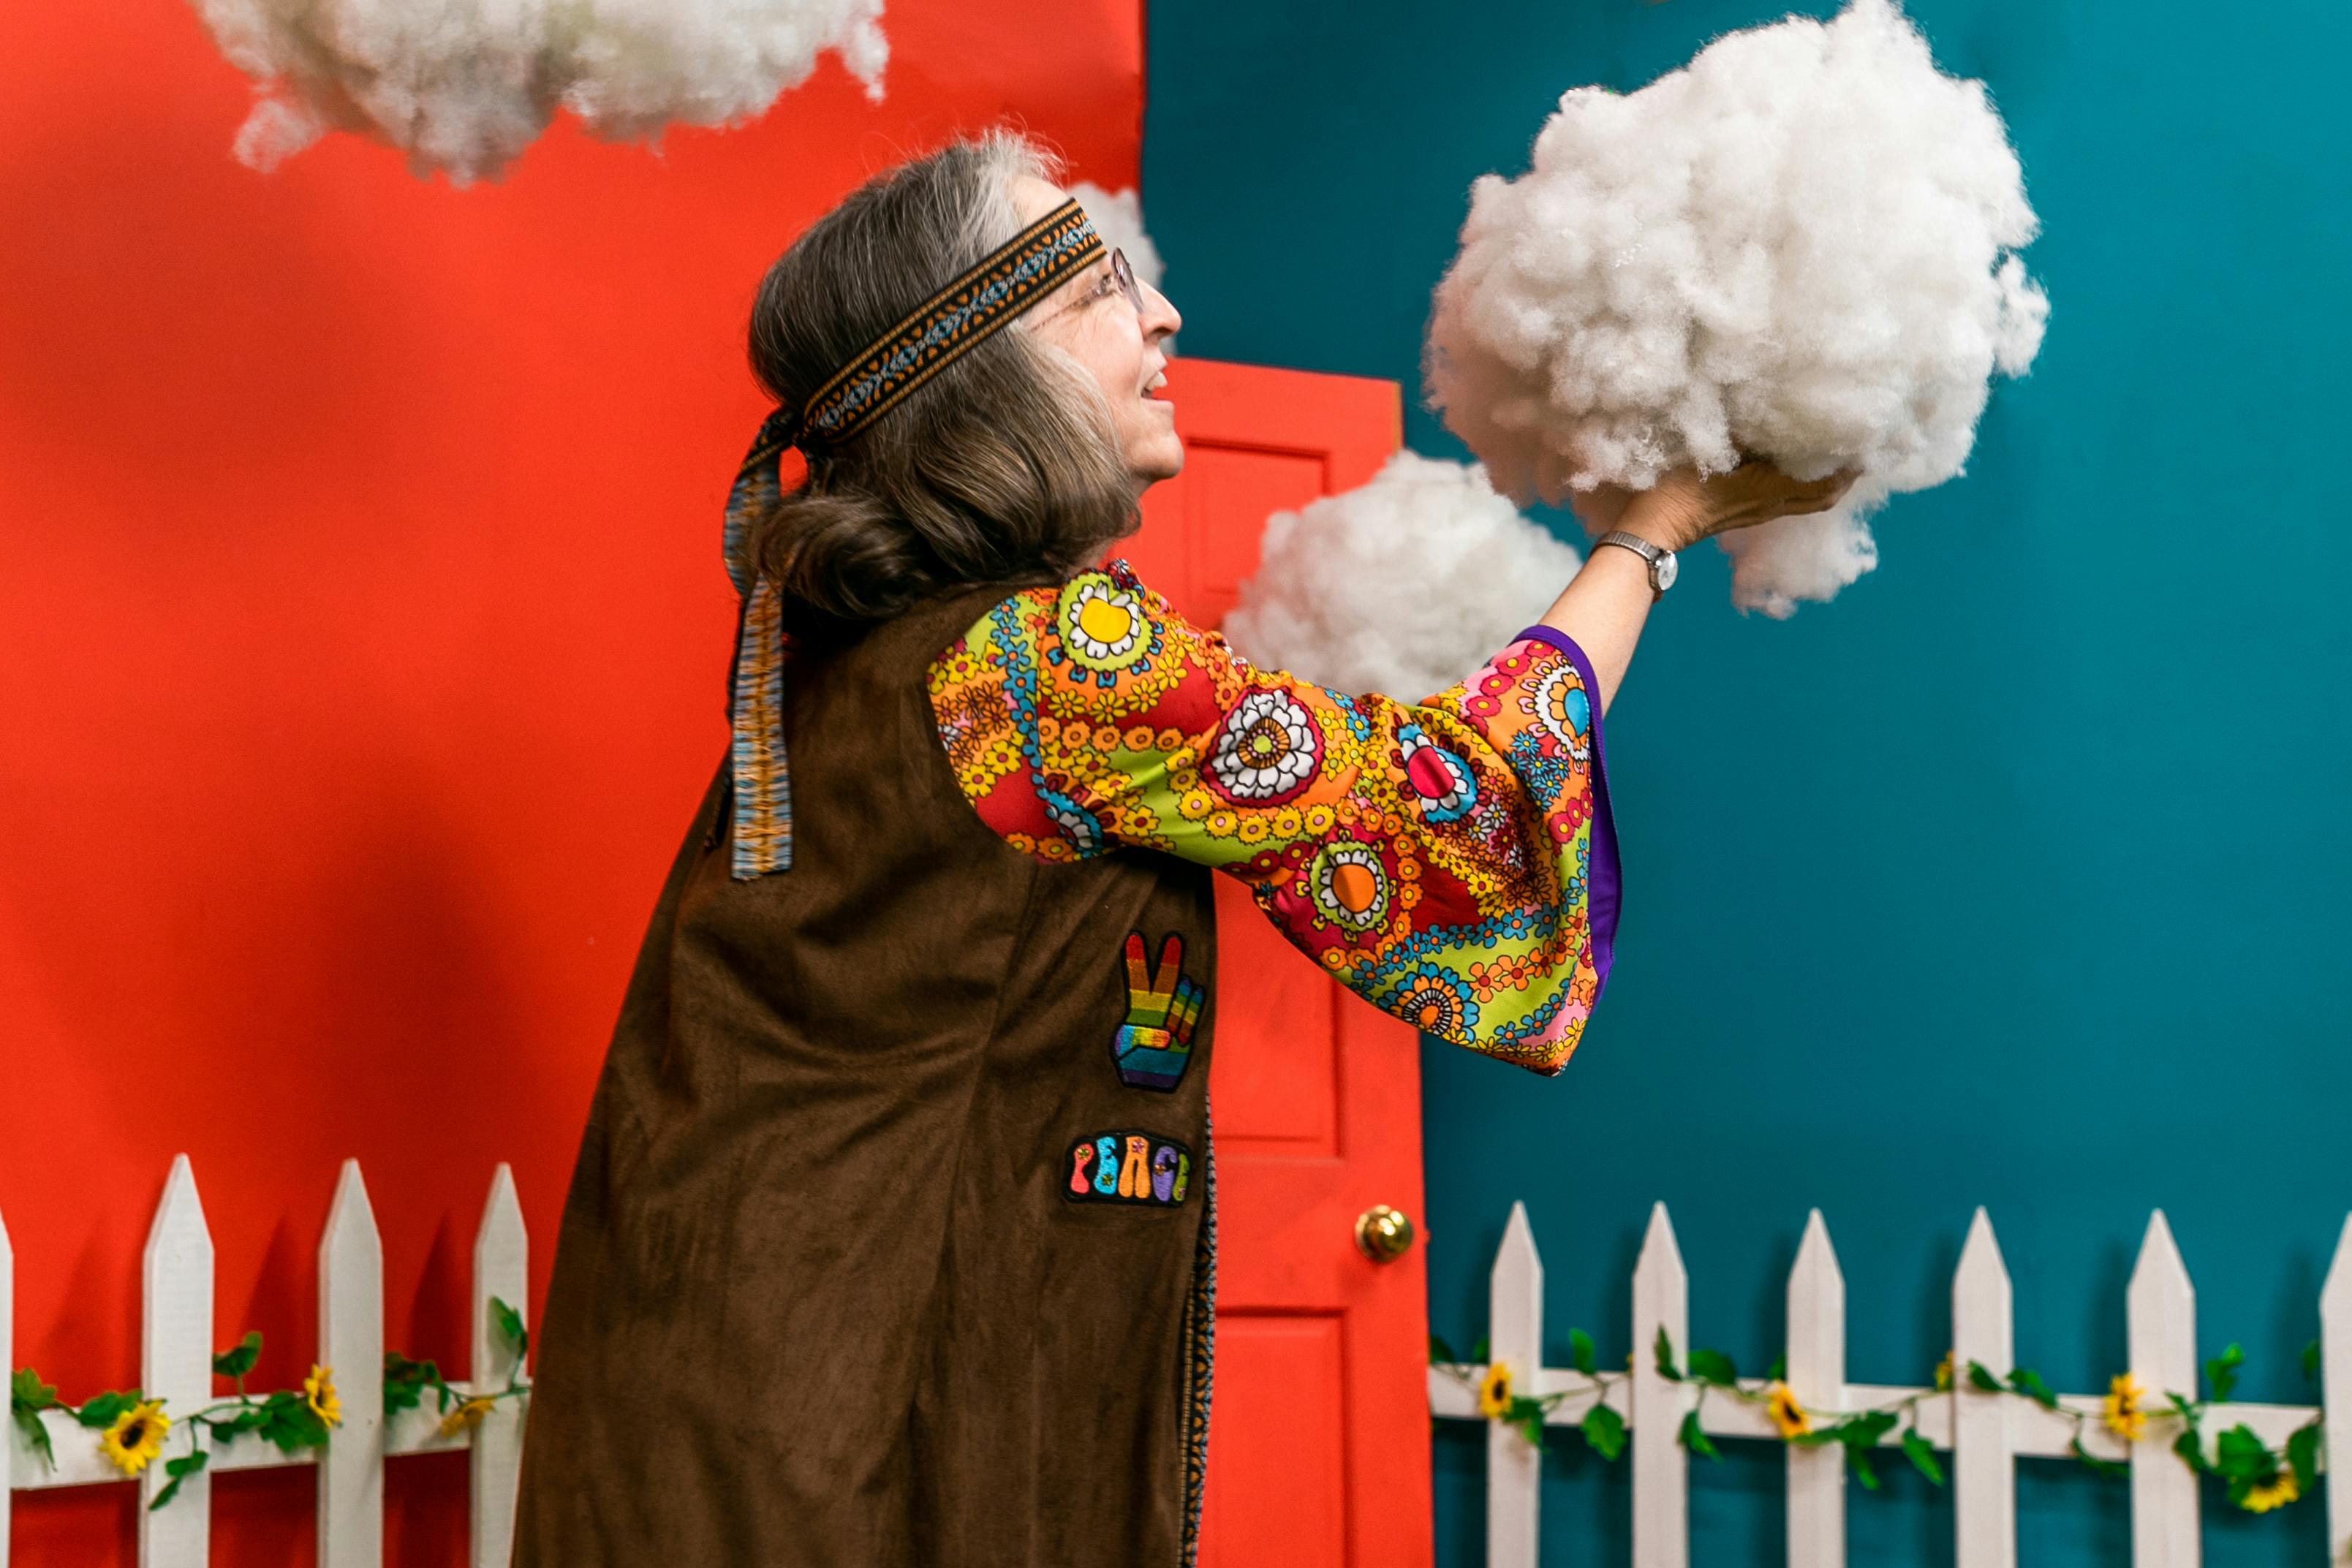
[1121, 281]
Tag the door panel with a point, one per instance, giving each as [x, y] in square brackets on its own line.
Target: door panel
[1263, 1472]
[1319, 1446]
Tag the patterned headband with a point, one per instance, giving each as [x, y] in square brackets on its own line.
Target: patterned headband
[1013, 279]
[962, 316]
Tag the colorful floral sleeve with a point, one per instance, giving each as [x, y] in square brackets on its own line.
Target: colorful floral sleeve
[1453, 862]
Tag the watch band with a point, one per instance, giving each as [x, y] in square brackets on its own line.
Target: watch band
[1661, 561]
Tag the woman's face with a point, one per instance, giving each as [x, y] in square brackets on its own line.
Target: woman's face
[1093, 322]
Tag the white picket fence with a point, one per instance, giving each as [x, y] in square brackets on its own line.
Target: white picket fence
[178, 1341]
[1985, 1433]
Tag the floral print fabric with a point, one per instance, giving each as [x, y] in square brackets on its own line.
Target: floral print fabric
[1452, 860]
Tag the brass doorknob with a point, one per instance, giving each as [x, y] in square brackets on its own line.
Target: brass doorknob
[1383, 1234]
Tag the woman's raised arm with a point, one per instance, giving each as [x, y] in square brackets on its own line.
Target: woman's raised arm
[1452, 860]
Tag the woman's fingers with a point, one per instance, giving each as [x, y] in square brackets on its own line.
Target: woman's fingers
[1761, 491]
[1684, 508]
[1817, 495]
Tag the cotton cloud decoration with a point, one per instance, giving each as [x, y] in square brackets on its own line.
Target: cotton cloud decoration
[1402, 585]
[1118, 217]
[1801, 246]
[464, 86]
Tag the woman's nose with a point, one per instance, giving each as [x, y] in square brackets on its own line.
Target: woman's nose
[1160, 318]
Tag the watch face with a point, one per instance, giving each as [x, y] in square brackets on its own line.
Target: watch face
[1662, 570]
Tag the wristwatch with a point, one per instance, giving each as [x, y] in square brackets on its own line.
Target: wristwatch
[1662, 569]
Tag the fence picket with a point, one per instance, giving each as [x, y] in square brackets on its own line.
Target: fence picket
[1661, 1468]
[1514, 1338]
[2336, 1392]
[1984, 1483]
[1816, 1375]
[2162, 1306]
[177, 1366]
[350, 1341]
[8, 1364]
[502, 1268]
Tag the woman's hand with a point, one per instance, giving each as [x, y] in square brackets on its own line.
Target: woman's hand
[1683, 507]
[1605, 604]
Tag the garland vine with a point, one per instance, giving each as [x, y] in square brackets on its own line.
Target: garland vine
[132, 1428]
[2256, 1476]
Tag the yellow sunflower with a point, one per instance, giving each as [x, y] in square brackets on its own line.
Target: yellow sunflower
[1786, 1412]
[1495, 1393]
[1944, 1373]
[2126, 1417]
[319, 1394]
[2276, 1492]
[468, 1413]
[136, 1438]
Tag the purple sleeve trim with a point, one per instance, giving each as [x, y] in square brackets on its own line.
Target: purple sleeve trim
[1607, 883]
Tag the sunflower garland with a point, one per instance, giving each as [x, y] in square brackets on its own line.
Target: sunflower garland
[135, 1436]
[132, 1428]
[2257, 1477]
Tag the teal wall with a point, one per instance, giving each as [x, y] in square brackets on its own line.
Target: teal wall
[2014, 877]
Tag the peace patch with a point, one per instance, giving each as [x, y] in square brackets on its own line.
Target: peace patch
[1127, 1168]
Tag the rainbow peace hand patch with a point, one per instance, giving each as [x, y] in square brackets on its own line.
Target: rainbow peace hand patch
[1154, 1046]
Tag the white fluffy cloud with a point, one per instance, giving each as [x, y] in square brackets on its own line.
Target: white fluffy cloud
[1118, 217]
[464, 86]
[1800, 247]
[1402, 586]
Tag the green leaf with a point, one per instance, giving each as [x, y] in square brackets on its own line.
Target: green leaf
[1531, 1428]
[178, 1469]
[2311, 1362]
[2027, 1382]
[1864, 1471]
[1867, 1427]
[1922, 1455]
[1665, 1351]
[509, 1324]
[290, 1424]
[1983, 1378]
[2239, 1455]
[1694, 1438]
[1580, 1352]
[27, 1398]
[2222, 1372]
[405, 1381]
[1482, 1353]
[1779, 1371]
[248, 1418]
[1714, 1366]
[1440, 1353]
[1604, 1431]
[2098, 1466]
[26, 1391]
[2187, 1411]
[2192, 1452]
[101, 1412]
[238, 1359]
[2303, 1453]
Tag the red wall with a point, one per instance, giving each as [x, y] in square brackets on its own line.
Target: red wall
[362, 643]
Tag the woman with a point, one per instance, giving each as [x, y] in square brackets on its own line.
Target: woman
[892, 1236]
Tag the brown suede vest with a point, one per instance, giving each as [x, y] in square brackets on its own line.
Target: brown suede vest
[838, 1286]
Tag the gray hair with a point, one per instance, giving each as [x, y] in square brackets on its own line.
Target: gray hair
[1004, 468]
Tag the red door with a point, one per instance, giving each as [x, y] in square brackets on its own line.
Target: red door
[1318, 1449]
